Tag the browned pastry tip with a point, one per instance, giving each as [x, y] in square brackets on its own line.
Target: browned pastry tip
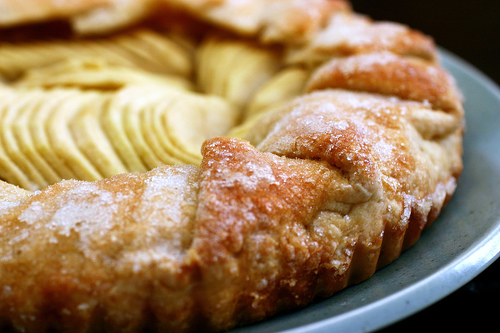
[389, 74]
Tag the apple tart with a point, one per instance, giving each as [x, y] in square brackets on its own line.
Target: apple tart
[173, 165]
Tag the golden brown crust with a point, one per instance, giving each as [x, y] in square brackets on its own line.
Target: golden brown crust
[332, 183]
[92, 254]
[348, 34]
[389, 74]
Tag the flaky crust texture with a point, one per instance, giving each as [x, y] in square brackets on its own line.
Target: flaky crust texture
[319, 191]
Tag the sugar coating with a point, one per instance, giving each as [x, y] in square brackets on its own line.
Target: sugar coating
[85, 209]
[5, 205]
[357, 31]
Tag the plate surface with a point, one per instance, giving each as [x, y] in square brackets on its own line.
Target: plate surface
[460, 244]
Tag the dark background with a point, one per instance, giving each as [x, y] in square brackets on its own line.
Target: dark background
[471, 30]
[468, 28]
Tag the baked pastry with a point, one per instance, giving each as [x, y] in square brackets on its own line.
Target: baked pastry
[328, 143]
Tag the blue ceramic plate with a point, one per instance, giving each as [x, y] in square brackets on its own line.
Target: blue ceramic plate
[456, 248]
